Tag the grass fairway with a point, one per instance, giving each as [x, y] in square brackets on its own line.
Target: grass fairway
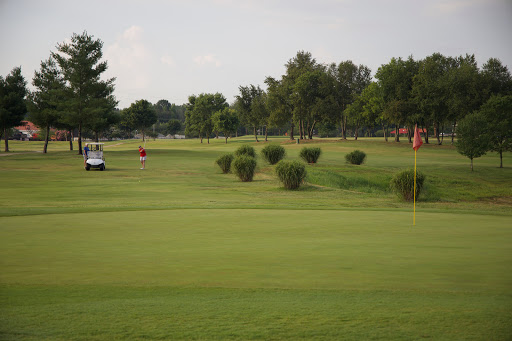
[181, 251]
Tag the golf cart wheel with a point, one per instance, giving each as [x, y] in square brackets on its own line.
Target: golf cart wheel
[102, 167]
[88, 167]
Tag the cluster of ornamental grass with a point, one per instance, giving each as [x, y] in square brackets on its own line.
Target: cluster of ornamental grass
[273, 153]
[357, 157]
[310, 154]
[403, 184]
[224, 162]
[246, 149]
[291, 173]
[244, 167]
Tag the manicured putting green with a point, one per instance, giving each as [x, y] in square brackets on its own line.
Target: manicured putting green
[314, 249]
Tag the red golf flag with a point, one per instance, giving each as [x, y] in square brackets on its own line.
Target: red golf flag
[417, 139]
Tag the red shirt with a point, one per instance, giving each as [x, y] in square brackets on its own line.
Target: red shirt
[142, 152]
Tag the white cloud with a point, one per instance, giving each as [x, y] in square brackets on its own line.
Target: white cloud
[208, 59]
[167, 60]
[129, 59]
[454, 6]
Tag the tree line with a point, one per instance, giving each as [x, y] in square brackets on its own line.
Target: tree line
[435, 93]
[343, 99]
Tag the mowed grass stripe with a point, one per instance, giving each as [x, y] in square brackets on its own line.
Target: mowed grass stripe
[308, 249]
[161, 313]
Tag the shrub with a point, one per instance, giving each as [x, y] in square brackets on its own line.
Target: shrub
[291, 173]
[273, 153]
[245, 149]
[310, 155]
[224, 162]
[244, 167]
[356, 157]
[403, 184]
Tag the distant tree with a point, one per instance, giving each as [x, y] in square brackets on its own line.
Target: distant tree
[496, 78]
[354, 114]
[498, 114]
[173, 126]
[225, 121]
[349, 81]
[465, 89]
[431, 92]
[473, 138]
[140, 115]
[279, 103]
[396, 81]
[199, 113]
[88, 97]
[373, 107]
[12, 102]
[45, 101]
[297, 67]
[307, 98]
[105, 118]
[251, 106]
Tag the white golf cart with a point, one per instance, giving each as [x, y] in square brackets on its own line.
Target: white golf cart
[95, 157]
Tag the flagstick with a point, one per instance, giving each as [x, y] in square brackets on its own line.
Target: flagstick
[414, 215]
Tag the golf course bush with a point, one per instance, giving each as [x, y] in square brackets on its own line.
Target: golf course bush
[245, 149]
[403, 184]
[357, 157]
[310, 154]
[244, 167]
[273, 153]
[224, 162]
[291, 173]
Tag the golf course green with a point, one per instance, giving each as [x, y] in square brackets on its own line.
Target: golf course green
[182, 251]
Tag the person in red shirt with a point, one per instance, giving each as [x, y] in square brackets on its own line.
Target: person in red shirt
[142, 152]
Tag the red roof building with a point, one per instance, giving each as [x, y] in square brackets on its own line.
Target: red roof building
[28, 128]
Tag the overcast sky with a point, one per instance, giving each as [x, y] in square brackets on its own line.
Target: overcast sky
[171, 49]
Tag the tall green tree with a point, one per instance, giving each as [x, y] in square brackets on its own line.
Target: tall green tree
[45, 102]
[431, 92]
[350, 81]
[13, 90]
[373, 107]
[303, 63]
[473, 137]
[225, 121]
[396, 81]
[496, 78]
[465, 89]
[172, 127]
[88, 97]
[498, 114]
[307, 94]
[140, 115]
[251, 106]
[279, 104]
[199, 113]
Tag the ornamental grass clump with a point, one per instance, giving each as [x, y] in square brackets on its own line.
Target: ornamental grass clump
[291, 173]
[357, 157]
[224, 162]
[244, 167]
[273, 153]
[245, 149]
[403, 184]
[310, 155]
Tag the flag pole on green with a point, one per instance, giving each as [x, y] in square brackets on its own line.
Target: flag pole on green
[415, 145]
